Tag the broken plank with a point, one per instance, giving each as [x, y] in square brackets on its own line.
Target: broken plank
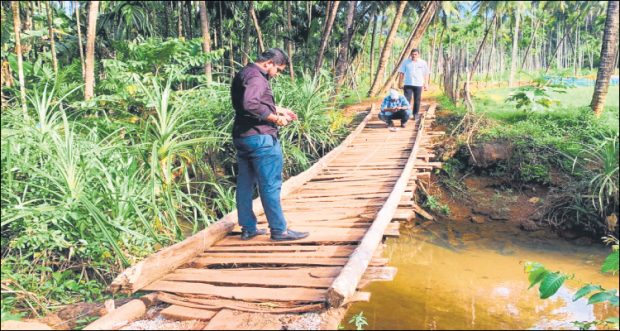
[283, 278]
[240, 293]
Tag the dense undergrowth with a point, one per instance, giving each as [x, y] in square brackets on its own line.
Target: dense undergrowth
[563, 146]
[90, 187]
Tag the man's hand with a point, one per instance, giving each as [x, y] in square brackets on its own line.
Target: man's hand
[426, 87]
[286, 113]
[281, 121]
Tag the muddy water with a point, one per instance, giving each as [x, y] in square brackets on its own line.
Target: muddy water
[462, 275]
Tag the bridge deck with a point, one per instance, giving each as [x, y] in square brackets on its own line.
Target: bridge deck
[337, 206]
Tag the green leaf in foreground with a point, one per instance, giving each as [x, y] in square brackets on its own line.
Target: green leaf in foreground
[602, 297]
[586, 290]
[611, 263]
[551, 283]
[536, 273]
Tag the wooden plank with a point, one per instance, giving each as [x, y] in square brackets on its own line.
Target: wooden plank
[297, 250]
[312, 238]
[345, 284]
[280, 278]
[240, 293]
[283, 249]
[202, 262]
[126, 313]
[170, 258]
[181, 313]
[217, 304]
[423, 213]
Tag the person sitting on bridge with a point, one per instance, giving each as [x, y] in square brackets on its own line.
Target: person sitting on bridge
[395, 106]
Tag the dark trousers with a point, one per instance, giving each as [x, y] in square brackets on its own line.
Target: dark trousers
[416, 93]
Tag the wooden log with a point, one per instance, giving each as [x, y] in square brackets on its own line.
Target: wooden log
[345, 284]
[115, 319]
[172, 257]
[423, 213]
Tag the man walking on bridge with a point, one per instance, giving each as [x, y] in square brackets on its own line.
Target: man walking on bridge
[414, 75]
[259, 154]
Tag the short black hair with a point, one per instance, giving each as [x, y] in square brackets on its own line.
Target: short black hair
[415, 50]
[278, 56]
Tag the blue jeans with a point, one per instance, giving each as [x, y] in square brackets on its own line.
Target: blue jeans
[260, 160]
[387, 116]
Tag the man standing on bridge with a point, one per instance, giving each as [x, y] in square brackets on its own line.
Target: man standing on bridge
[414, 75]
[255, 136]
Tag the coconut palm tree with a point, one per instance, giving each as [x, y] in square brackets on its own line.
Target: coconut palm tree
[609, 51]
[89, 76]
[18, 51]
[387, 49]
[259, 34]
[341, 64]
[325, 37]
[206, 38]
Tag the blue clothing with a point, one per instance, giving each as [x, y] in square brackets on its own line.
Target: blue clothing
[400, 102]
[387, 117]
[260, 160]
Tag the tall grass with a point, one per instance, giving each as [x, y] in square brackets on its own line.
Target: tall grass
[84, 196]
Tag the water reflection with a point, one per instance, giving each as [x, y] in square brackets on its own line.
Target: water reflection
[464, 276]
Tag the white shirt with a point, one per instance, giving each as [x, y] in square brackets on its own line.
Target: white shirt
[414, 71]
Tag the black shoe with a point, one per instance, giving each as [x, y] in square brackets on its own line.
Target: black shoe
[289, 235]
[403, 124]
[247, 235]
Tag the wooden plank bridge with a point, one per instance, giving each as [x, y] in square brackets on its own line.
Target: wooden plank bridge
[348, 201]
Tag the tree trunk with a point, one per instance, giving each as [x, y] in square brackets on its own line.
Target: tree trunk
[550, 61]
[515, 45]
[387, 49]
[206, 38]
[608, 58]
[231, 59]
[180, 22]
[289, 43]
[246, 44]
[166, 22]
[431, 61]
[259, 34]
[188, 21]
[18, 52]
[89, 79]
[372, 45]
[51, 34]
[414, 40]
[527, 50]
[325, 37]
[79, 31]
[341, 63]
[435, 70]
[474, 65]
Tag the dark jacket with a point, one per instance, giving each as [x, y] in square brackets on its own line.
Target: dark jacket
[253, 101]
